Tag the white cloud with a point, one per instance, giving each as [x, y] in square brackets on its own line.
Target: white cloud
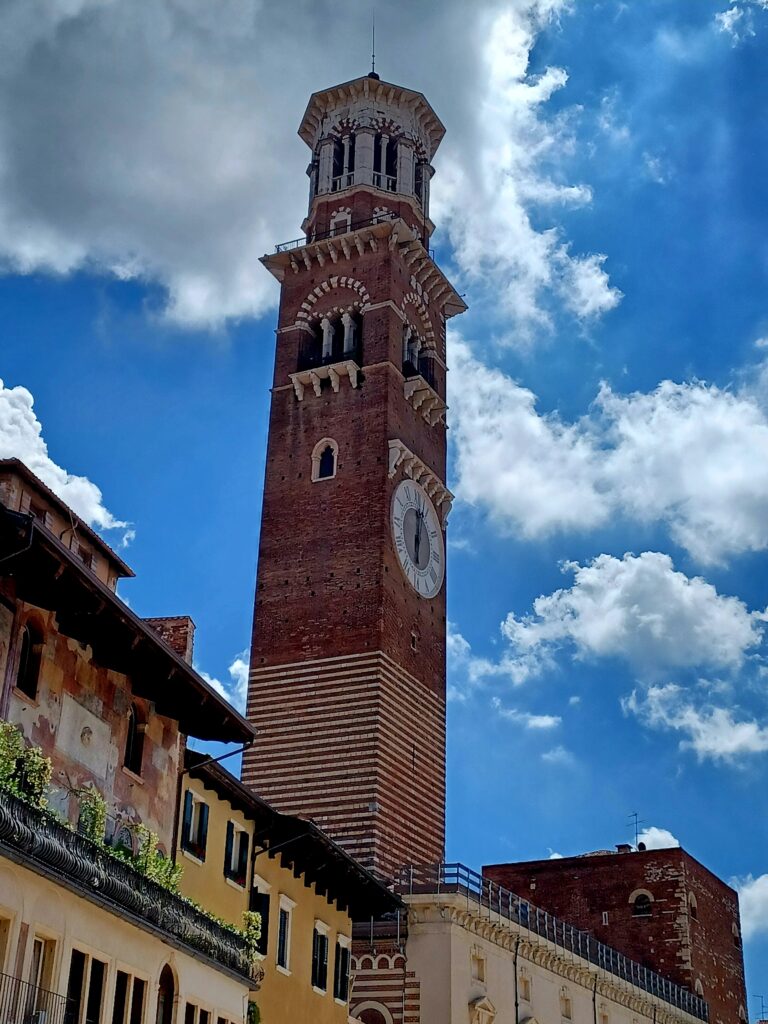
[235, 690]
[639, 609]
[657, 838]
[156, 141]
[712, 732]
[692, 456]
[525, 718]
[21, 437]
[534, 473]
[487, 202]
[737, 21]
[729, 21]
[558, 756]
[553, 855]
[753, 904]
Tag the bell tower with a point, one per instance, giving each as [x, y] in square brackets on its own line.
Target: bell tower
[347, 674]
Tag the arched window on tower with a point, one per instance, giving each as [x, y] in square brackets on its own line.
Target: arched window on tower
[30, 654]
[693, 907]
[325, 456]
[698, 989]
[134, 741]
[343, 169]
[418, 181]
[385, 162]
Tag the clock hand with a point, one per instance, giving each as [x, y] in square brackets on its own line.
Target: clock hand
[417, 540]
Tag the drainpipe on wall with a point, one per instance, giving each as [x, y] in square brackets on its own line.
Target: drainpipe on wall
[517, 1001]
[594, 1001]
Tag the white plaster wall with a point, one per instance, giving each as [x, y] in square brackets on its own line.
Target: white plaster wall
[440, 952]
[52, 911]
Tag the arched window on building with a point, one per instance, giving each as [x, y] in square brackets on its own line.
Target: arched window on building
[134, 741]
[642, 904]
[693, 907]
[698, 988]
[30, 654]
[325, 456]
[736, 935]
[166, 996]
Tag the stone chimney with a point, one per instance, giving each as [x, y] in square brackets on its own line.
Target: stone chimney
[178, 631]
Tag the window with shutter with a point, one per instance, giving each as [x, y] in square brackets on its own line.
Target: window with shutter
[320, 957]
[194, 830]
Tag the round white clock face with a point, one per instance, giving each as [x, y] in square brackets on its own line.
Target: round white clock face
[418, 538]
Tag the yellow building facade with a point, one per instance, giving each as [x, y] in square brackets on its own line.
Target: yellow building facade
[238, 853]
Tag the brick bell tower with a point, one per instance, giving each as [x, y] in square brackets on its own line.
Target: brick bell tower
[347, 678]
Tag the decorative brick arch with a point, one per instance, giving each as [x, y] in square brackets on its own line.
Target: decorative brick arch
[310, 310]
[372, 1013]
[422, 315]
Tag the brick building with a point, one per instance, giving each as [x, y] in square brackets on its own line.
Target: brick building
[660, 907]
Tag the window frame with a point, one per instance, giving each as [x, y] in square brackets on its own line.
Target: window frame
[343, 946]
[316, 458]
[320, 955]
[283, 947]
[235, 871]
[29, 661]
[194, 822]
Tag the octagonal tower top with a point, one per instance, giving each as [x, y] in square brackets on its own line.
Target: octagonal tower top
[372, 135]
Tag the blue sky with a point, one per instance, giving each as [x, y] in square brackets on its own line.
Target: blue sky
[601, 200]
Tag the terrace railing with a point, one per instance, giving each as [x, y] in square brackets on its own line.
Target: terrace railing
[24, 1003]
[494, 899]
[37, 840]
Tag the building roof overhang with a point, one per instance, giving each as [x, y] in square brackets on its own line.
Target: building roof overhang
[301, 846]
[368, 87]
[21, 469]
[45, 573]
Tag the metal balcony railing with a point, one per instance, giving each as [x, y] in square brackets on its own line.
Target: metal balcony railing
[23, 1003]
[321, 236]
[493, 898]
[310, 357]
[40, 842]
[425, 369]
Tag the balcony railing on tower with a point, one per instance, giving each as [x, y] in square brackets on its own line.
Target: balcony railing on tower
[491, 898]
[424, 367]
[24, 1003]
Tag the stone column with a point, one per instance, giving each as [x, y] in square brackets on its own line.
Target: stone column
[405, 167]
[327, 329]
[364, 156]
[325, 169]
[349, 332]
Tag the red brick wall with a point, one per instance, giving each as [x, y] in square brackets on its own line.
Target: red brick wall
[581, 890]
[178, 631]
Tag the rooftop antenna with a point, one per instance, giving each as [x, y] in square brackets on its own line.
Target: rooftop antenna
[372, 73]
[763, 1006]
[636, 821]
